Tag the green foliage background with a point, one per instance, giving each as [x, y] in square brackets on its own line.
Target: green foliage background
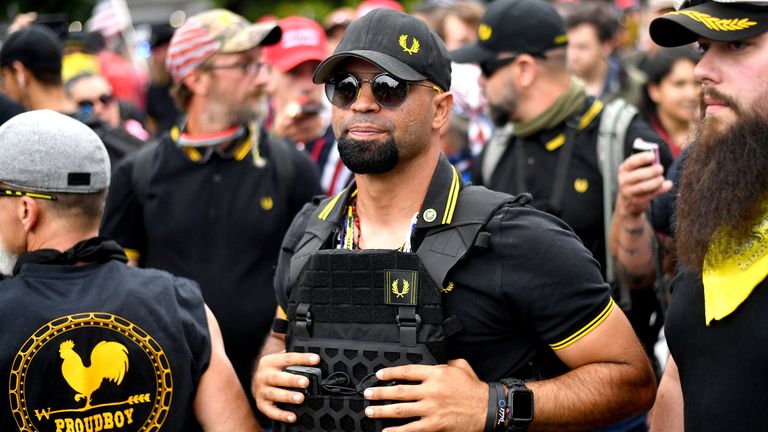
[316, 9]
[251, 9]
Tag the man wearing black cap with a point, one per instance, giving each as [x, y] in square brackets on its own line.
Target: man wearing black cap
[30, 64]
[546, 346]
[716, 378]
[554, 151]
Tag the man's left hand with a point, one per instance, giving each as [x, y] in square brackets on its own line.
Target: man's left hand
[445, 397]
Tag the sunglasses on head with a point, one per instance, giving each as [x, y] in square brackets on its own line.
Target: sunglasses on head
[17, 193]
[104, 99]
[389, 92]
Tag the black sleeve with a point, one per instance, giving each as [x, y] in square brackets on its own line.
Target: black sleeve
[123, 219]
[548, 275]
[639, 128]
[290, 241]
[306, 182]
[191, 312]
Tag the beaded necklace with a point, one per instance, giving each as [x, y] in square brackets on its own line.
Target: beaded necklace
[350, 233]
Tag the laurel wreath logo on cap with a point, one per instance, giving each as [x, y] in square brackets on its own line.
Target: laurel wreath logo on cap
[414, 46]
[718, 24]
[484, 32]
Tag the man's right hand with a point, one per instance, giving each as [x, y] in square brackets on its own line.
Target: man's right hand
[271, 385]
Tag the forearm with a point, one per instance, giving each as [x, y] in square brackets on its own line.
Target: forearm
[667, 413]
[631, 243]
[592, 396]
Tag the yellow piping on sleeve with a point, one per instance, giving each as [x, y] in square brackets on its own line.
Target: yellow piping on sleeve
[132, 254]
[586, 329]
[281, 313]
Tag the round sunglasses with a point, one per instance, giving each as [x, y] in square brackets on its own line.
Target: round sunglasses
[388, 91]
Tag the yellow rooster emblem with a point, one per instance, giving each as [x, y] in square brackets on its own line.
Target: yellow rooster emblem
[109, 361]
[414, 46]
[396, 290]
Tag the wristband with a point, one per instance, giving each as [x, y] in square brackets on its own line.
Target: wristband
[492, 403]
[501, 410]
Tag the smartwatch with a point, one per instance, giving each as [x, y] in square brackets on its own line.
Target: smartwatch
[519, 403]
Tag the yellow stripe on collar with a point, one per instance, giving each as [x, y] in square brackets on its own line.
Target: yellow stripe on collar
[586, 119]
[453, 197]
[242, 151]
[329, 207]
[555, 143]
[591, 113]
[728, 285]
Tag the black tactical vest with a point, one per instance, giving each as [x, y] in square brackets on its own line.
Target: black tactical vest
[365, 310]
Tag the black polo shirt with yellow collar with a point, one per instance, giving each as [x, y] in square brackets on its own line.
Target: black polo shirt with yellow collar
[535, 290]
[218, 221]
[582, 196]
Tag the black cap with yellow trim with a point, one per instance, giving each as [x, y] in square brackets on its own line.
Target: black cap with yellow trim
[718, 21]
[517, 27]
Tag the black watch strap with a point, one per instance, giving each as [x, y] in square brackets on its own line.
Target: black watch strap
[519, 403]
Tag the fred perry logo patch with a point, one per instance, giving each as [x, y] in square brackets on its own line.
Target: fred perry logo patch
[401, 287]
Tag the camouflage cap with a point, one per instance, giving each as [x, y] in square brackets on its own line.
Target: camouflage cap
[211, 32]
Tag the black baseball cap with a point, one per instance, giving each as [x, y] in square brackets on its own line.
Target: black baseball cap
[397, 43]
[722, 22]
[36, 47]
[515, 26]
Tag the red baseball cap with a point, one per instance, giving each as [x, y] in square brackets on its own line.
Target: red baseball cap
[303, 40]
[369, 5]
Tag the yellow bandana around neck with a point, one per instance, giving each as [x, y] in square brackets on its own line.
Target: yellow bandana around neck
[730, 283]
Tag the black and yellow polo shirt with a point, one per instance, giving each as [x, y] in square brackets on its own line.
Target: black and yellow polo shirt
[218, 221]
[535, 290]
[582, 198]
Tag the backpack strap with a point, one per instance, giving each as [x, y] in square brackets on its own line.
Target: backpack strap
[445, 246]
[142, 170]
[441, 248]
[280, 153]
[617, 115]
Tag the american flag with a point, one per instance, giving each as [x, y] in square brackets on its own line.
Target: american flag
[109, 18]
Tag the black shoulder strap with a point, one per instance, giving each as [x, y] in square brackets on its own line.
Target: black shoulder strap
[441, 248]
[280, 152]
[316, 233]
[444, 246]
[142, 170]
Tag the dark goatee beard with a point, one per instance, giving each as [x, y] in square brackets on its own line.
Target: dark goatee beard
[723, 187]
[368, 157]
[499, 116]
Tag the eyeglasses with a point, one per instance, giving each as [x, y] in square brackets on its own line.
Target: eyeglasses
[104, 99]
[488, 68]
[247, 67]
[388, 91]
[17, 193]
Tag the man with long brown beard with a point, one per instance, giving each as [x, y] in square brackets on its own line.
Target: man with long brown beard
[717, 375]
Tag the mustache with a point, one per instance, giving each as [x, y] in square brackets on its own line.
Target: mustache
[719, 97]
[357, 119]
